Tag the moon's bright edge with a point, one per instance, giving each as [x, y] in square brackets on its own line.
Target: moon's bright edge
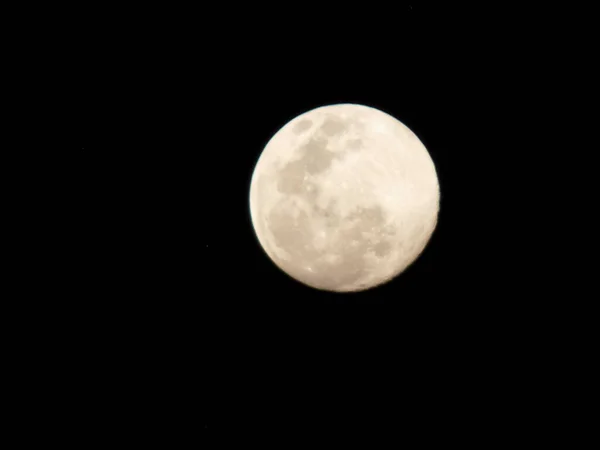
[344, 197]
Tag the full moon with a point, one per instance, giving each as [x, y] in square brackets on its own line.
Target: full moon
[344, 198]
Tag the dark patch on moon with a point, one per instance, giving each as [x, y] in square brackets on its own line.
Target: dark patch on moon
[332, 127]
[369, 216]
[288, 230]
[291, 178]
[382, 248]
[302, 126]
[315, 159]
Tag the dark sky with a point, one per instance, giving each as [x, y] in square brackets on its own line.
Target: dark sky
[171, 115]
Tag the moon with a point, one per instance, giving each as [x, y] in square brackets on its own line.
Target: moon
[344, 198]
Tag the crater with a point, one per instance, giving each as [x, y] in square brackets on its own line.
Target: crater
[310, 191]
[328, 215]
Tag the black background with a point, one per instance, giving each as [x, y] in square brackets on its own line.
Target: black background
[170, 310]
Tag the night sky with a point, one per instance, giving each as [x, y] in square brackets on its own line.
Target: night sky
[169, 120]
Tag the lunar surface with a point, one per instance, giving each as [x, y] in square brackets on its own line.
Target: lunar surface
[344, 198]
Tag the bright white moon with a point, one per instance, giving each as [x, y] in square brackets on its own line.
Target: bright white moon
[344, 197]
